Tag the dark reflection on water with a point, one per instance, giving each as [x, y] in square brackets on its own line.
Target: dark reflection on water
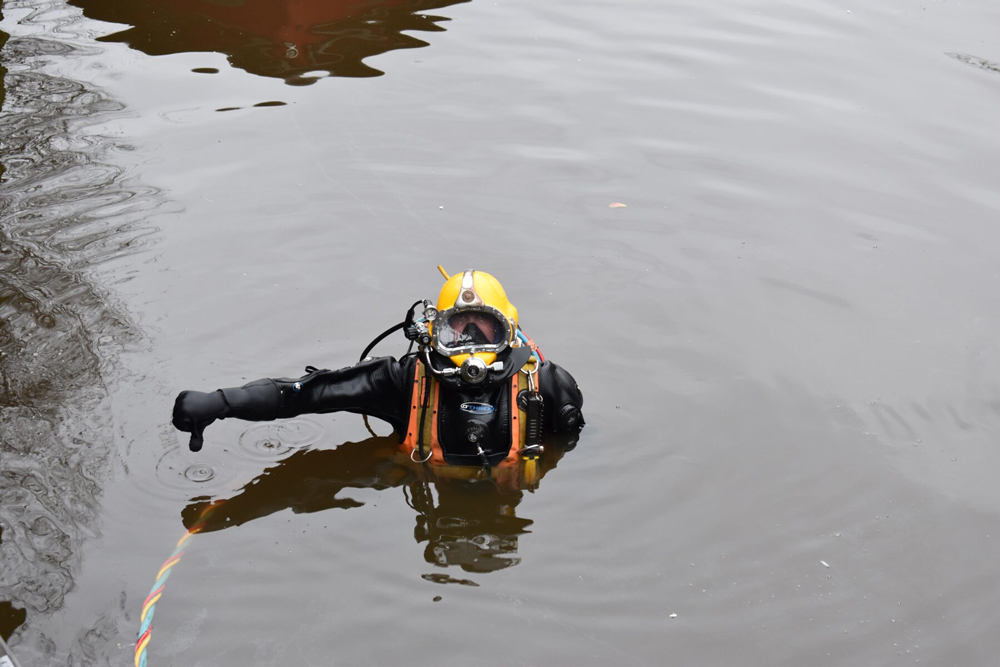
[468, 523]
[11, 618]
[3, 75]
[280, 38]
[64, 210]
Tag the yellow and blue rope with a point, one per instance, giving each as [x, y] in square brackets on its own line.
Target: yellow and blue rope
[149, 605]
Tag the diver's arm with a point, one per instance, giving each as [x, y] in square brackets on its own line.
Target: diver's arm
[563, 399]
[378, 388]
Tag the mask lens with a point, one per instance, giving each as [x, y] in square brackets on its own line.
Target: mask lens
[469, 328]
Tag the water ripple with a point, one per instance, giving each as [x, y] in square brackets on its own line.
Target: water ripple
[273, 441]
[67, 207]
[180, 478]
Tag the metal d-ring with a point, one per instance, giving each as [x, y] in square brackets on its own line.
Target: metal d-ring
[533, 371]
[430, 453]
[531, 374]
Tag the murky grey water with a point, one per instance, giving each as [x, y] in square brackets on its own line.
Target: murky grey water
[787, 338]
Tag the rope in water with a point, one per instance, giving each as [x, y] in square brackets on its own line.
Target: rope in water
[149, 605]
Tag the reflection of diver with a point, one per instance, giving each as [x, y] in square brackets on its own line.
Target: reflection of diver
[475, 397]
[471, 524]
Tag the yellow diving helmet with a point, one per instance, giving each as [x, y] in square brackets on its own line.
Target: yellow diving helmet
[474, 320]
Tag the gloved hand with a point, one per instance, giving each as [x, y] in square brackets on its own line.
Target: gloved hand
[195, 410]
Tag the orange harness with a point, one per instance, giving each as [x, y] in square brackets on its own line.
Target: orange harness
[425, 398]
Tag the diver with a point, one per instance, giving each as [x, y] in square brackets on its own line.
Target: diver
[476, 393]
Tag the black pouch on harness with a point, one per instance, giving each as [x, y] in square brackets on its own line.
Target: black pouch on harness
[531, 403]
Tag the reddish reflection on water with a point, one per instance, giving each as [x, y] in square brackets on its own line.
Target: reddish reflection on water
[282, 39]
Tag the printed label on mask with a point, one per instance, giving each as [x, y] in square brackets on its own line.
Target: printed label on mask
[478, 408]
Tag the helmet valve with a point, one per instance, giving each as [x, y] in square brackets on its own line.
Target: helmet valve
[468, 295]
[474, 370]
[477, 432]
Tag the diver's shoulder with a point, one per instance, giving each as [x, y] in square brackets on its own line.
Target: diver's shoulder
[563, 398]
[550, 369]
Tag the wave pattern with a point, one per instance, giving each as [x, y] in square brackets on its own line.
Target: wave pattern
[65, 209]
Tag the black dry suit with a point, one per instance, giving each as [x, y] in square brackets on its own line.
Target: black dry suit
[453, 415]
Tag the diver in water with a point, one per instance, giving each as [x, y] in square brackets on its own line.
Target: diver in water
[477, 392]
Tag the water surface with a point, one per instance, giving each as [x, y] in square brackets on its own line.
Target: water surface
[787, 337]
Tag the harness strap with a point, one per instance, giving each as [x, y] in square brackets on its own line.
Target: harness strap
[413, 427]
[422, 427]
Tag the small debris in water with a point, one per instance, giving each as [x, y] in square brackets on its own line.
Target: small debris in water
[974, 61]
[437, 598]
[824, 563]
[617, 204]
[673, 615]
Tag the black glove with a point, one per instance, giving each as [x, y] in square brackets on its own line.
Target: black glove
[195, 410]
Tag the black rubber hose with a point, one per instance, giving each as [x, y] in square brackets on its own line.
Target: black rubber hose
[402, 325]
[380, 338]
